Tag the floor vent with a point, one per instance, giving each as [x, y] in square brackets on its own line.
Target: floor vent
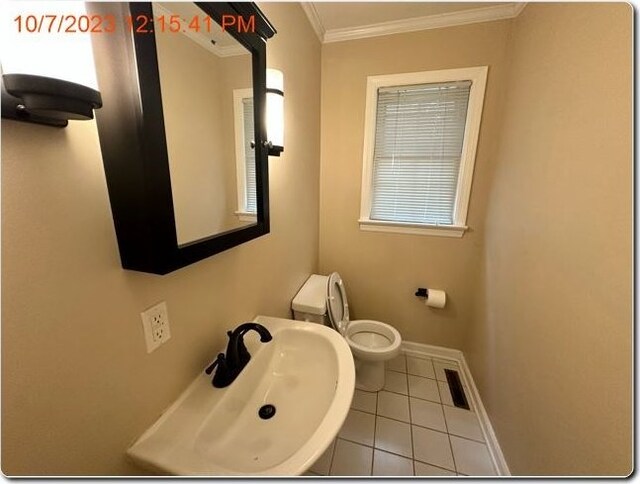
[457, 392]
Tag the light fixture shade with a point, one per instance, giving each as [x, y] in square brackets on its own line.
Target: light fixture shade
[48, 71]
[34, 41]
[275, 111]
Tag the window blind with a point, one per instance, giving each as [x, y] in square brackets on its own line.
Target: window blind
[249, 156]
[418, 145]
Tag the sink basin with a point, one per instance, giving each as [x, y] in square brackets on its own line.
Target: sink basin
[306, 372]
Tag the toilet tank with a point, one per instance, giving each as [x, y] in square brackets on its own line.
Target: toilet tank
[310, 304]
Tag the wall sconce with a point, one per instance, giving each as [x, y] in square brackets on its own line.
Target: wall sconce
[48, 75]
[275, 112]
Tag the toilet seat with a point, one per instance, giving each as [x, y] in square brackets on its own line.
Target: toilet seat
[373, 340]
[337, 305]
[369, 340]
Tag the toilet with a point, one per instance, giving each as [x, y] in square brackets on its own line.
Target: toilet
[323, 299]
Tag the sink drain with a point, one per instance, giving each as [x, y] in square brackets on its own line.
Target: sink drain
[267, 411]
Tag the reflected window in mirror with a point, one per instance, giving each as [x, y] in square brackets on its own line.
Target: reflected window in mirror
[245, 154]
[199, 73]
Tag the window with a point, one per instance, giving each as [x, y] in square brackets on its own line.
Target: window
[245, 154]
[421, 132]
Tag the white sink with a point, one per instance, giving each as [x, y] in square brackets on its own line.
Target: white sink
[306, 372]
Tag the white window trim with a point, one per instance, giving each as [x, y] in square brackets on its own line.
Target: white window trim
[478, 78]
[246, 216]
[238, 124]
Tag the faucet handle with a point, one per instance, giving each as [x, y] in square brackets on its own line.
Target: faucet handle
[220, 360]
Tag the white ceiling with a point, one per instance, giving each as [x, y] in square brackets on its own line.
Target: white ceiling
[338, 21]
[340, 15]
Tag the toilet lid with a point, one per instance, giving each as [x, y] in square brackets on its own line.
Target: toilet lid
[337, 306]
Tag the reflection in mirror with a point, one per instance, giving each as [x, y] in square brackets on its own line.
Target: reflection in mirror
[207, 99]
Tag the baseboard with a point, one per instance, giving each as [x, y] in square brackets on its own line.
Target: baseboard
[418, 349]
[485, 423]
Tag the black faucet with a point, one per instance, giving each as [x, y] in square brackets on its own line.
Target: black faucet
[237, 357]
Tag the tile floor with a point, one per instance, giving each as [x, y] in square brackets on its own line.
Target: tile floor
[409, 428]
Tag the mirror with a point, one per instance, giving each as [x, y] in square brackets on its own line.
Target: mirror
[207, 98]
[183, 102]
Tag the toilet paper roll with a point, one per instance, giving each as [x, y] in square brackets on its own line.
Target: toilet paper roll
[436, 298]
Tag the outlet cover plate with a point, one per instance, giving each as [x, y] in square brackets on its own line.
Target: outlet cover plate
[155, 322]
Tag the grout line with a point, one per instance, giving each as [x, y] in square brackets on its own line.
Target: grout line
[447, 433]
[333, 454]
[422, 376]
[398, 371]
[411, 396]
[397, 393]
[413, 453]
[453, 457]
[444, 419]
[468, 438]
[395, 371]
[375, 424]
[394, 419]
[439, 467]
[376, 448]
[420, 398]
[410, 417]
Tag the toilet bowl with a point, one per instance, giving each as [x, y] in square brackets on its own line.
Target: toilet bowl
[323, 299]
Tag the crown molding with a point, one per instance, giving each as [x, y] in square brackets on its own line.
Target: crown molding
[463, 17]
[205, 42]
[519, 7]
[314, 19]
[230, 50]
[217, 50]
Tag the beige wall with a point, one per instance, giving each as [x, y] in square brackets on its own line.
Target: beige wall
[77, 383]
[539, 293]
[383, 270]
[551, 346]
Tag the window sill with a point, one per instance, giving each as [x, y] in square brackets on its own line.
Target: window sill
[246, 216]
[414, 229]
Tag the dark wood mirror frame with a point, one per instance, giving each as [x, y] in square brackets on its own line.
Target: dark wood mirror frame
[133, 141]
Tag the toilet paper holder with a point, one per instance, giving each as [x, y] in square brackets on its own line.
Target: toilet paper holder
[434, 298]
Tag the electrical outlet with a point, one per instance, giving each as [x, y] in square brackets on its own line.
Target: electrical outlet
[155, 322]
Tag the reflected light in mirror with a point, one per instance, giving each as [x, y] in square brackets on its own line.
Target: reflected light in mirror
[275, 111]
[27, 46]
